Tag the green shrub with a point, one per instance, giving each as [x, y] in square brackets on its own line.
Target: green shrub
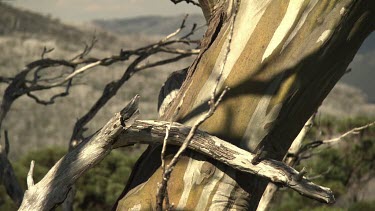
[362, 206]
[98, 189]
[348, 162]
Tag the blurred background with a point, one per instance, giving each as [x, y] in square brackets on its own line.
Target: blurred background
[42, 132]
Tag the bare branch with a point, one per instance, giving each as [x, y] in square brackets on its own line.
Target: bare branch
[318, 143]
[353, 131]
[54, 187]
[7, 146]
[151, 132]
[167, 173]
[162, 156]
[52, 98]
[320, 175]
[7, 175]
[30, 180]
[162, 188]
[142, 54]
[290, 159]
[46, 51]
[6, 80]
[187, 1]
[123, 130]
[298, 152]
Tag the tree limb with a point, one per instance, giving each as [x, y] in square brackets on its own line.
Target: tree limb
[149, 132]
[123, 130]
[187, 1]
[7, 176]
[53, 188]
[271, 188]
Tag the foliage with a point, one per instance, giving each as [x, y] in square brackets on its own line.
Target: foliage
[345, 167]
[97, 190]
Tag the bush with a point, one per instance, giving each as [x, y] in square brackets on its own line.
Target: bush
[349, 162]
[98, 189]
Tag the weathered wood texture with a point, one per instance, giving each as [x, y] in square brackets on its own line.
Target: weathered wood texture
[122, 131]
[285, 57]
[208, 7]
[55, 185]
[290, 160]
[151, 132]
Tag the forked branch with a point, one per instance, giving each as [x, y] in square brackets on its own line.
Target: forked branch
[123, 130]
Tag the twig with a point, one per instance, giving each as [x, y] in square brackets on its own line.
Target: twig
[162, 190]
[318, 143]
[163, 186]
[7, 146]
[111, 88]
[187, 1]
[348, 133]
[290, 159]
[162, 156]
[320, 175]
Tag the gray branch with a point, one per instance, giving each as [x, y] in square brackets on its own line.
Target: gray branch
[122, 130]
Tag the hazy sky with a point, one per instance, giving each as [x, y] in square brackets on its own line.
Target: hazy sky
[84, 10]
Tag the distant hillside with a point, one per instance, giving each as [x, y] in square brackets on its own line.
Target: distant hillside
[150, 25]
[347, 101]
[363, 69]
[15, 21]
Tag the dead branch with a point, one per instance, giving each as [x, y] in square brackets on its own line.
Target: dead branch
[123, 130]
[297, 152]
[353, 131]
[54, 187]
[20, 85]
[162, 191]
[30, 180]
[7, 176]
[187, 1]
[151, 132]
[290, 160]
[314, 144]
[141, 54]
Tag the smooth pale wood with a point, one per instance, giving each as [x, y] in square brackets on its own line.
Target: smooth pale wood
[282, 64]
[55, 185]
[271, 189]
[122, 131]
[151, 132]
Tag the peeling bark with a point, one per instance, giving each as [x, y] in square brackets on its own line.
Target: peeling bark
[285, 58]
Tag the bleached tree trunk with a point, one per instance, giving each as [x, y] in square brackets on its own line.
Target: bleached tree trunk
[285, 56]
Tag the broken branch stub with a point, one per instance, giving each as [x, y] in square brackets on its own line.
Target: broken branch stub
[54, 187]
[122, 130]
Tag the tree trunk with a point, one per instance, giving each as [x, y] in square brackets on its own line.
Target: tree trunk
[285, 56]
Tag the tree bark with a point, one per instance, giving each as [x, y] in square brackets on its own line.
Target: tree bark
[285, 56]
[122, 130]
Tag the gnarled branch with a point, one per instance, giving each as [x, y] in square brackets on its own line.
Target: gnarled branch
[122, 130]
